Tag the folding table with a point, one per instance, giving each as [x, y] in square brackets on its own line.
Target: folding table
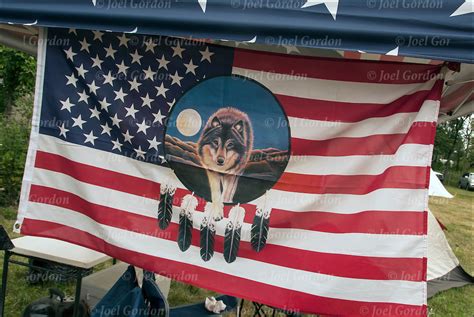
[80, 258]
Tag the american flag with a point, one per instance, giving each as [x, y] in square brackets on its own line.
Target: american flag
[348, 223]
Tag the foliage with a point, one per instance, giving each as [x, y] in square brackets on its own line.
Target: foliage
[14, 135]
[453, 152]
[17, 74]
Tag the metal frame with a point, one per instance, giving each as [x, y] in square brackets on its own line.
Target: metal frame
[81, 272]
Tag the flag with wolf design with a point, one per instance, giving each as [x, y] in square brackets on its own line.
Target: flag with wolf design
[294, 181]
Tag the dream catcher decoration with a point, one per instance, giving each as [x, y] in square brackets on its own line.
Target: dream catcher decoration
[228, 156]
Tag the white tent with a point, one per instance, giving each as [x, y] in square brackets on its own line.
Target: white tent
[444, 270]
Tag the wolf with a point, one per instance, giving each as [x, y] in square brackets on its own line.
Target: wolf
[224, 148]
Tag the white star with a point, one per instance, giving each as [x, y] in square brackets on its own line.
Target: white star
[123, 40]
[176, 79]
[66, 105]
[90, 138]
[71, 80]
[98, 35]
[150, 45]
[161, 90]
[110, 51]
[78, 122]
[84, 45]
[109, 79]
[190, 67]
[83, 97]
[104, 105]
[136, 57]
[171, 103]
[63, 130]
[154, 143]
[116, 120]
[163, 62]
[131, 111]
[81, 71]
[142, 127]
[202, 4]
[122, 68]
[72, 30]
[105, 128]
[92, 87]
[96, 61]
[147, 101]
[140, 153]
[94, 113]
[206, 54]
[127, 137]
[178, 50]
[291, 48]
[134, 84]
[148, 73]
[120, 95]
[158, 117]
[331, 5]
[70, 54]
[117, 145]
[393, 52]
[465, 8]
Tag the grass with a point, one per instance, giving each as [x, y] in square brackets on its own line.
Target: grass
[456, 214]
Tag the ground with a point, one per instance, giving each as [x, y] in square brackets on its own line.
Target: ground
[456, 214]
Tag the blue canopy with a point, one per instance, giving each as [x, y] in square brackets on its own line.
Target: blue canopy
[433, 29]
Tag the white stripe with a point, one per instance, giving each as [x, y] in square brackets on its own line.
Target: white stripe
[389, 199]
[399, 123]
[403, 292]
[332, 90]
[378, 245]
[406, 155]
[35, 123]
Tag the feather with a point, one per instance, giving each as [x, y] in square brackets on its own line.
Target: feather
[188, 207]
[208, 230]
[165, 207]
[259, 231]
[232, 233]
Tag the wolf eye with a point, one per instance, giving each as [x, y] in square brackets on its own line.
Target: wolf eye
[230, 145]
[215, 142]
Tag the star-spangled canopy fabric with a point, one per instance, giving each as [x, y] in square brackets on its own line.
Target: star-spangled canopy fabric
[347, 230]
[432, 29]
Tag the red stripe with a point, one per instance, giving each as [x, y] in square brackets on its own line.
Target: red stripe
[457, 97]
[393, 177]
[335, 69]
[97, 176]
[363, 222]
[382, 144]
[221, 282]
[364, 267]
[353, 112]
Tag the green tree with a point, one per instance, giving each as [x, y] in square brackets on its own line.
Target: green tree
[17, 76]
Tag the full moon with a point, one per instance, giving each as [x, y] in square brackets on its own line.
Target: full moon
[188, 122]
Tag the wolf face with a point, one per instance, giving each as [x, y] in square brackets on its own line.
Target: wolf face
[226, 141]
[224, 149]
